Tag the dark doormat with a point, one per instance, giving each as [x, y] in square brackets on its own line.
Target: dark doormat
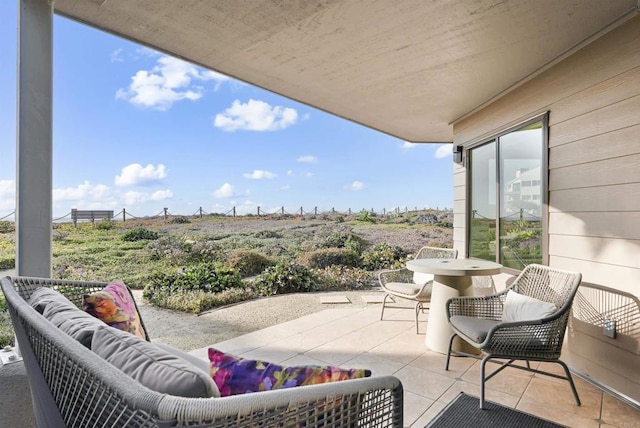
[464, 411]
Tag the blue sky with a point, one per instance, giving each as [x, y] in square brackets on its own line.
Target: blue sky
[136, 129]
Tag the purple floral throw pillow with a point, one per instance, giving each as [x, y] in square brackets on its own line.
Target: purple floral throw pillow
[115, 306]
[236, 375]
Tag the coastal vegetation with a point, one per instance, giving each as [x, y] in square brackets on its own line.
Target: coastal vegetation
[202, 263]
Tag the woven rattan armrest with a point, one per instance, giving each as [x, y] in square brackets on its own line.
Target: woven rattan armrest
[395, 275]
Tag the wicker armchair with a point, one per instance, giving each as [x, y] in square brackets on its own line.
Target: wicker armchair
[483, 323]
[410, 285]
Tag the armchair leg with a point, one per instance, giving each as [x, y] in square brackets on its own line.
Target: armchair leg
[482, 380]
[384, 301]
[570, 379]
[419, 308]
[453, 336]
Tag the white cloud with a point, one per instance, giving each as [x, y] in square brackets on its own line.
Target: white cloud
[137, 198]
[285, 187]
[160, 195]
[355, 186]
[7, 195]
[307, 159]
[225, 191]
[135, 174]
[407, 145]
[83, 193]
[258, 174]
[290, 173]
[443, 151]
[116, 56]
[171, 80]
[309, 174]
[255, 116]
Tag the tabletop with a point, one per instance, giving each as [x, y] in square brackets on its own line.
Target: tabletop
[455, 267]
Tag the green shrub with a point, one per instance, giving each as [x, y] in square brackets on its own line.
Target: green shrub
[168, 248]
[285, 277]
[325, 257]
[346, 278]
[104, 224]
[248, 263]
[366, 216]
[199, 301]
[7, 227]
[59, 235]
[140, 233]
[266, 234]
[179, 220]
[341, 238]
[382, 256]
[203, 251]
[6, 330]
[209, 277]
[7, 263]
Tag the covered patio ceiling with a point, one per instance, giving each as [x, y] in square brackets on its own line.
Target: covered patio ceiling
[409, 68]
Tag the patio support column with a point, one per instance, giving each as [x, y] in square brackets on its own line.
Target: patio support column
[34, 138]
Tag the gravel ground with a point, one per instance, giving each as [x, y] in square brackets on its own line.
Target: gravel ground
[188, 331]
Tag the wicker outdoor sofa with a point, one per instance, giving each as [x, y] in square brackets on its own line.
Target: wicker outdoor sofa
[72, 386]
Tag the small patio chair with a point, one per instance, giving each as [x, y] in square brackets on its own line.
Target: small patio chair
[410, 285]
[526, 322]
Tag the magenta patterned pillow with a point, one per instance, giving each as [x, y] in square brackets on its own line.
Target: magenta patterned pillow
[115, 306]
[236, 375]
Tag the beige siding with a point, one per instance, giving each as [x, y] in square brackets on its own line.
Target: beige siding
[593, 100]
[615, 144]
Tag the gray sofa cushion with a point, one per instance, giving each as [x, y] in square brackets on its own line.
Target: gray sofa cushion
[73, 321]
[152, 366]
[202, 364]
[42, 296]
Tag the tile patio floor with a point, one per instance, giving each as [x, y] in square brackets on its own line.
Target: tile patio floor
[356, 338]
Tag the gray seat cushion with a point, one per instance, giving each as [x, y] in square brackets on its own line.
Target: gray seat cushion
[476, 329]
[152, 366]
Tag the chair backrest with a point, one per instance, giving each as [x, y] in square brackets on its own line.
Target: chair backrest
[432, 253]
[548, 284]
[437, 253]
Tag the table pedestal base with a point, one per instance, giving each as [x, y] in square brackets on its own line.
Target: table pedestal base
[438, 330]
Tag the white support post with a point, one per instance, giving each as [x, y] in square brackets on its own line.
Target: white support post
[34, 138]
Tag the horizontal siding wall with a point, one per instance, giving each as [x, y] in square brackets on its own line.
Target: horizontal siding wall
[593, 99]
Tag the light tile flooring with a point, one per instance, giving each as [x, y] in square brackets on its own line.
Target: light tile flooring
[355, 337]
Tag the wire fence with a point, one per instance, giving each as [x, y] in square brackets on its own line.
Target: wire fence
[431, 215]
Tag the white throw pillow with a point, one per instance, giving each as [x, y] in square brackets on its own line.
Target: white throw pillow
[518, 307]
